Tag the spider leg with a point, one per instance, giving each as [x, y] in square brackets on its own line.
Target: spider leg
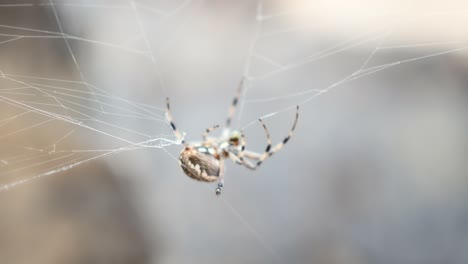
[207, 131]
[288, 137]
[239, 158]
[220, 185]
[241, 161]
[235, 158]
[232, 108]
[252, 155]
[177, 133]
[269, 151]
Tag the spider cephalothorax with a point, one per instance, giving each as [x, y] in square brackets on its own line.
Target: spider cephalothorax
[204, 161]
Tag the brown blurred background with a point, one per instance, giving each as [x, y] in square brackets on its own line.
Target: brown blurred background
[376, 172]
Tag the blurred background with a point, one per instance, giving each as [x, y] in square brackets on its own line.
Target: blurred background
[376, 172]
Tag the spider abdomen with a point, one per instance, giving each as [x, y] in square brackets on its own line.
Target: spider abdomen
[199, 163]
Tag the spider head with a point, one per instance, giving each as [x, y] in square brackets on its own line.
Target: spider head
[234, 138]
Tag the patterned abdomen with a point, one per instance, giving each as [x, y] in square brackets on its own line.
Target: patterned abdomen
[199, 163]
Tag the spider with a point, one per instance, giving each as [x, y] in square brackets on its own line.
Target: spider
[204, 161]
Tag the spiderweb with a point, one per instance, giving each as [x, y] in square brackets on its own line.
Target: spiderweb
[88, 81]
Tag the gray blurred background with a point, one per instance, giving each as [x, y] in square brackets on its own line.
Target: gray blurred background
[376, 172]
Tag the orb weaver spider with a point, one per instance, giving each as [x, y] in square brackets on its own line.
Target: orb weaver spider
[204, 161]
